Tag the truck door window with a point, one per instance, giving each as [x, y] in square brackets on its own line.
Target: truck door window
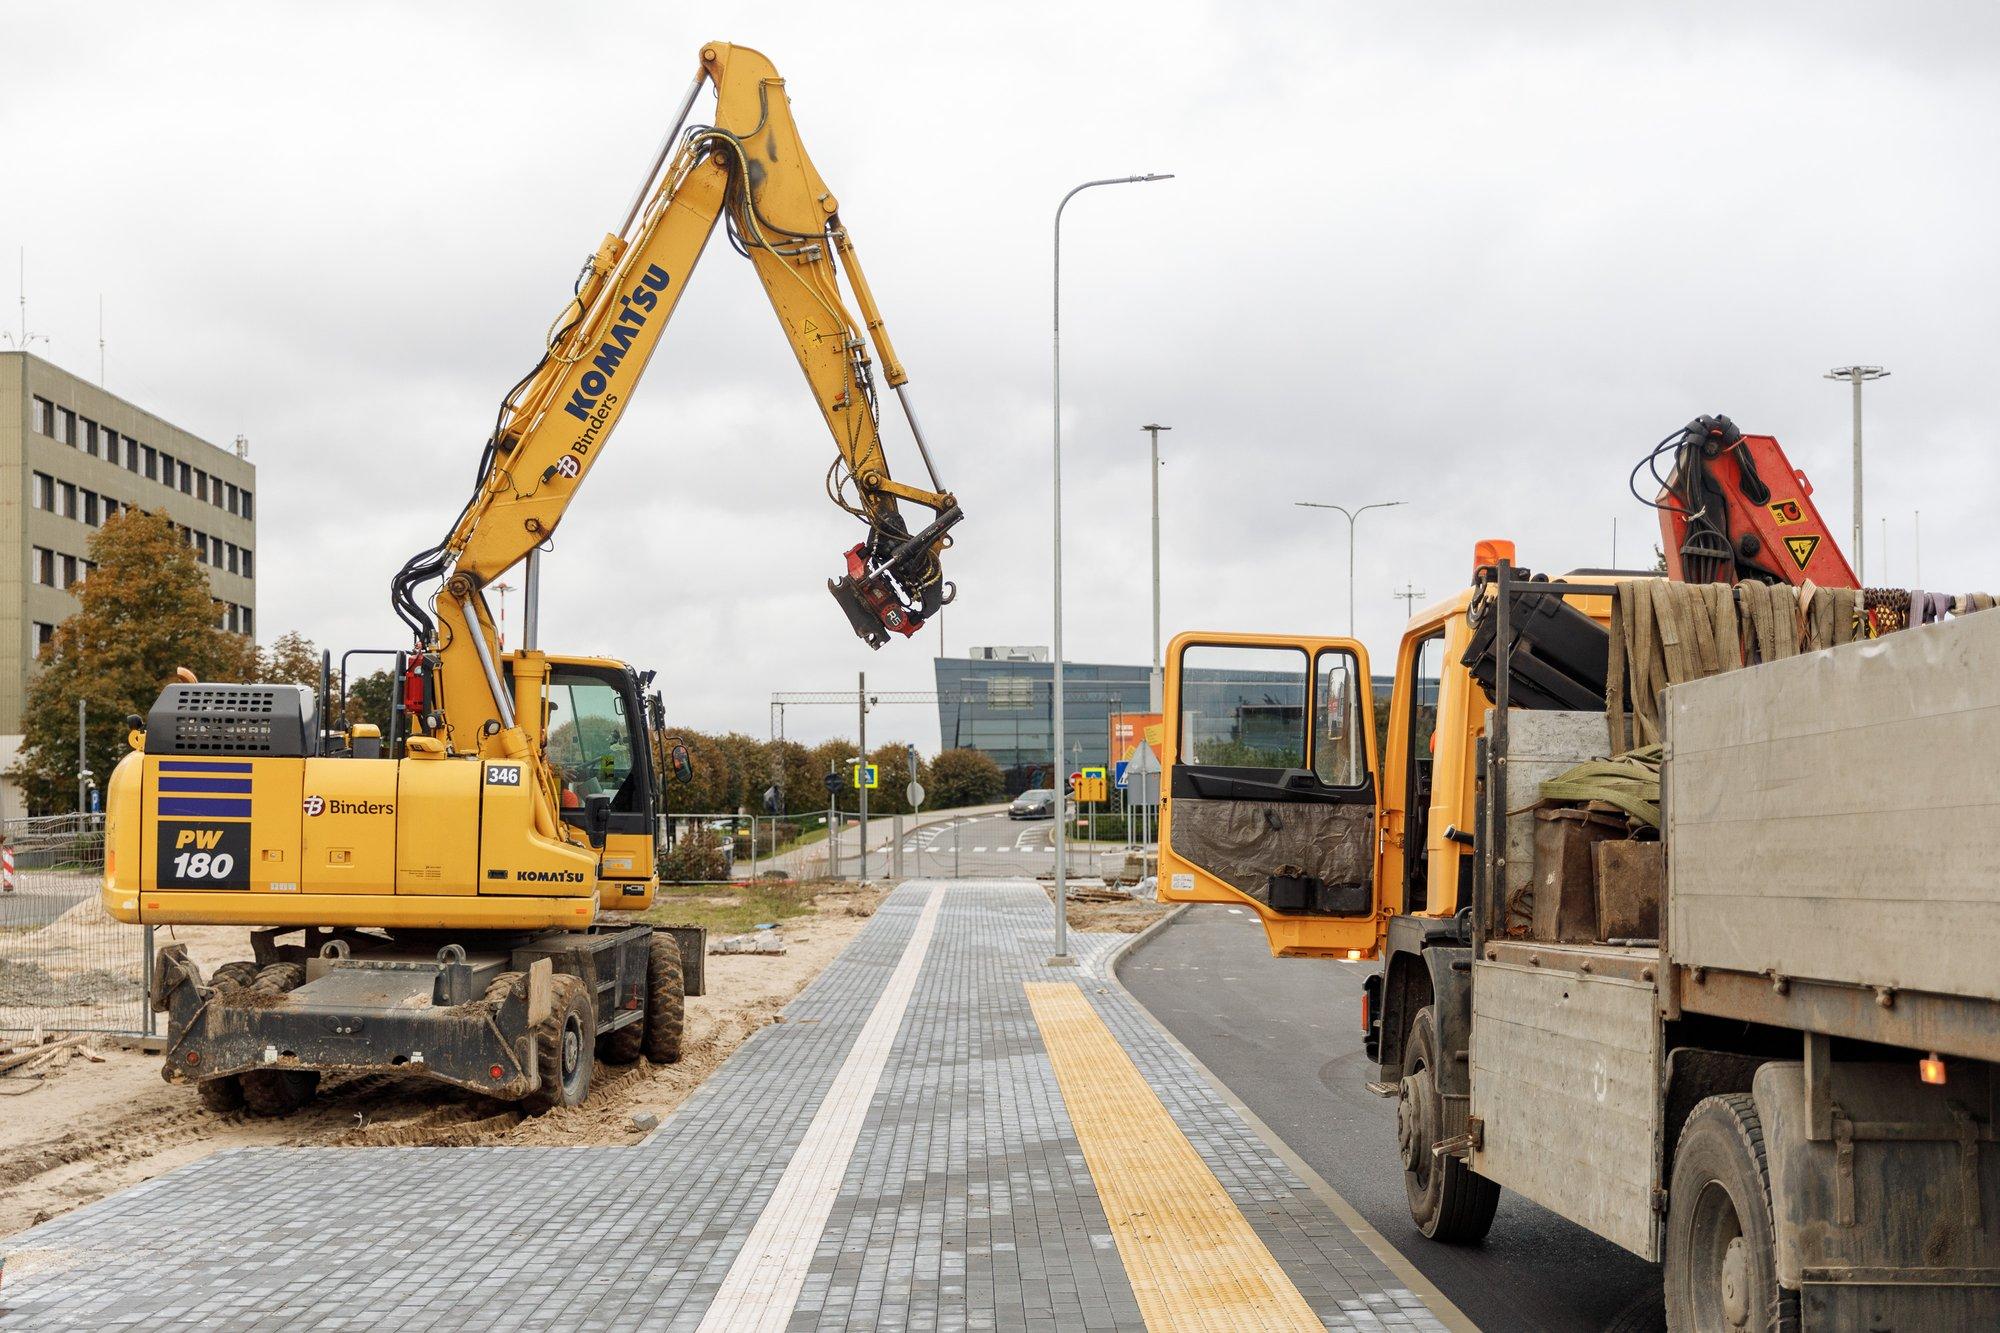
[1243, 707]
[590, 743]
[1340, 744]
[1417, 797]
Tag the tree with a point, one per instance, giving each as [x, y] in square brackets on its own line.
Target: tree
[964, 777]
[292, 660]
[369, 699]
[146, 611]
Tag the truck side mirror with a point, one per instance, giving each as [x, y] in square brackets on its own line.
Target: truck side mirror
[597, 818]
[682, 765]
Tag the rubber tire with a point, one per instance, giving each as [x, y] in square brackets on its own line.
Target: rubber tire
[278, 1092]
[1449, 1201]
[231, 976]
[572, 1018]
[221, 1095]
[666, 1000]
[1722, 1183]
[279, 978]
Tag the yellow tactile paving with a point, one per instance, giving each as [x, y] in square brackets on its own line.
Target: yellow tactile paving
[1193, 1261]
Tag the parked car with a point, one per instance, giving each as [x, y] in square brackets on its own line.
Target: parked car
[1039, 803]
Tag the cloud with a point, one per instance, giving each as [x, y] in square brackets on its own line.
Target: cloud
[1473, 258]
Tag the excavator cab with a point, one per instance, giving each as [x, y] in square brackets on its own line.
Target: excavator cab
[1271, 799]
[601, 734]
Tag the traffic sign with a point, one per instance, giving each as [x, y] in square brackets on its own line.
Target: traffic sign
[915, 794]
[1091, 786]
[1118, 778]
[832, 783]
[872, 780]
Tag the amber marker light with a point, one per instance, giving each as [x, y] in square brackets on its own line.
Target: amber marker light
[1931, 1069]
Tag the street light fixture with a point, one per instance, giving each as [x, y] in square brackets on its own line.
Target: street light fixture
[1858, 375]
[1350, 516]
[1061, 957]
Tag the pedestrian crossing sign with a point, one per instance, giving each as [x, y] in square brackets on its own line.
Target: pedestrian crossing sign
[866, 775]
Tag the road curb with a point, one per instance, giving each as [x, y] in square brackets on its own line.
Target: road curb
[1392, 1258]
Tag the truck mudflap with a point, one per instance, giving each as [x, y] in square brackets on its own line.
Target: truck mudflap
[353, 1017]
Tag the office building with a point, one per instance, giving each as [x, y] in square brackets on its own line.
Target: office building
[71, 457]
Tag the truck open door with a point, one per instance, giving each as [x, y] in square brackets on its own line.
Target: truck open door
[1271, 799]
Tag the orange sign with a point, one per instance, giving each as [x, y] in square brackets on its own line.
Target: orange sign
[1128, 729]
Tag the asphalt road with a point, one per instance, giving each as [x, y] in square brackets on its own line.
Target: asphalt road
[1284, 1035]
[994, 845]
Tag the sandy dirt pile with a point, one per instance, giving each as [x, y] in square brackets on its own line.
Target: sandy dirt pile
[89, 1129]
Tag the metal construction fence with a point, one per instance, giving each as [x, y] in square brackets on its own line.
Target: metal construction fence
[65, 965]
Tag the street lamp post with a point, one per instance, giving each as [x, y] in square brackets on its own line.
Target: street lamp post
[1350, 516]
[1061, 957]
[1157, 693]
[1858, 375]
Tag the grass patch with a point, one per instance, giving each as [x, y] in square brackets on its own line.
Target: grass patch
[731, 909]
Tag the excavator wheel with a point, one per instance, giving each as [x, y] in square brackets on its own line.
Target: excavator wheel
[231, 976]
[623, 1046]
[279, 978]
[564, 1043]
[276, 1092]
[666, 1001]
[221, 1095]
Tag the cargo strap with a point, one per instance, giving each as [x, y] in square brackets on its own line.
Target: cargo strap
[1629, 783]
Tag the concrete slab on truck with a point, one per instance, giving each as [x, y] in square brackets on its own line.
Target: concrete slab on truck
[942, 1133]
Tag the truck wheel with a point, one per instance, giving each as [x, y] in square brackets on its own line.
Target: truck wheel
[1449, 1201]
[666, 1001]
[221, 1095]
[563, 1043]
[231, 976]
[1721, 1260]
[278, 1092]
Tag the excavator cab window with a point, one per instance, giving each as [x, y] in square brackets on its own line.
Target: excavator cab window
[599, 747]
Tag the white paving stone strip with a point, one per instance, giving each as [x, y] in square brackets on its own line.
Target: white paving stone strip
[763, 1283]
[964, 1201]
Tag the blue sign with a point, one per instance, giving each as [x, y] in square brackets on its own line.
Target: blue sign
[1119, 780]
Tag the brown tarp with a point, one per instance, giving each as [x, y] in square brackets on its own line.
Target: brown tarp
[1243, 842]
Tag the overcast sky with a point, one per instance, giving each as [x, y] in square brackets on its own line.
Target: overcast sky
[1476, 257]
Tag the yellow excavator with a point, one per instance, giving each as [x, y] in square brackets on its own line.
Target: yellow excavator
[429, 901]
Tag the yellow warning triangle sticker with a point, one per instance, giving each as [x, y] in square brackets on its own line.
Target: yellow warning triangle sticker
[1802, 548]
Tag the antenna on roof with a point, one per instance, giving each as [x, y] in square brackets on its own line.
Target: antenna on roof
[24, 338]
[243, 446]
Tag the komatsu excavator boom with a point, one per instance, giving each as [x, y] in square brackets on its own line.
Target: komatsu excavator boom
[448, 881]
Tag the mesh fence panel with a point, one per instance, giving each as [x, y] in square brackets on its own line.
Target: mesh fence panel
[65, 966]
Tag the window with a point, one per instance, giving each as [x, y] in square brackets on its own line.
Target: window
[45, 567]
[45, 417]
[187, 480]
[70, 575]
[1340, 744]
[45, 636]
[200, 485]
[235, 499]
[199, 540]
[235, 564]
[249, 570]
[92, 516]
[215, 546]
[65, 425]
[132, 463]
[88, 430]
[68, 500]
[109, 439]
[1243, 707]
[247, 511]
[215, 492]
[45, 492]
[248, 627]
[152, 463]
[590, 743]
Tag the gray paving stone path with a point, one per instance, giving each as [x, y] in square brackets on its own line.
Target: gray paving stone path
[966, 1202]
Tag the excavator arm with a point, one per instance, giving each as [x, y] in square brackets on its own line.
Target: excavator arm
[749, 169]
